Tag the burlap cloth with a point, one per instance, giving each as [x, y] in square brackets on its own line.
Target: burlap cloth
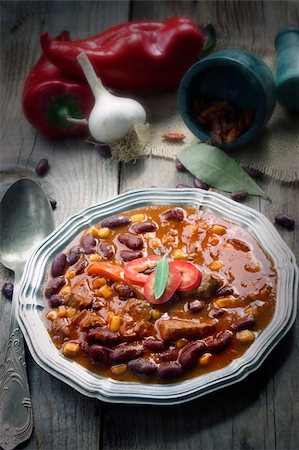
[275, 151]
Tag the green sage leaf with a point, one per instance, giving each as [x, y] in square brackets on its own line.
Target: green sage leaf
[161, 277]
[214, 167]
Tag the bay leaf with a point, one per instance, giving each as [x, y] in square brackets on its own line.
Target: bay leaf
[161, 277]
[216, 168]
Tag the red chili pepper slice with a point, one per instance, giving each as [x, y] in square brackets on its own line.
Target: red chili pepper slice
[134, 270]
[191, 276]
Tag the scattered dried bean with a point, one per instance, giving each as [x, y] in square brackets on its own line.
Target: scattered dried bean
[7, 290]
[254, 173]
[42, 167]
[180, 167]
[238, 195]
[200, 184]
[285, 221]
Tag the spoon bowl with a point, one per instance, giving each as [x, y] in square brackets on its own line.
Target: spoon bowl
[26, 218]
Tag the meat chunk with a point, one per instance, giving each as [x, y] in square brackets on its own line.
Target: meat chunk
[173, 329]
[91, 319]
[80, 297]
[60, 330]
[208, 287]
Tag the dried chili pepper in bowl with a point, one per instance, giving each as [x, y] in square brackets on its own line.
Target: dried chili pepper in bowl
[52, 102]
[227, 98]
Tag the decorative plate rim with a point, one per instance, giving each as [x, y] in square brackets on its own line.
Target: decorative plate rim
[30, 303]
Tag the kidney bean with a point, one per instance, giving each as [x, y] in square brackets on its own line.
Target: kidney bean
[224, 291]
[123, 291]
[239, 195]
[88, 244]
[196, 305]
[42, 167]
[58, 265]
[73, 255]
[188, 356]
[174, 214]
[200, 184]
[115, 221]
[56, 300]
[247, 322]
[143, 366]
[285, 221]
[219, 341]
[129, 255]
[99, 354]
[154, 345]
[144, 227]
[54, 285]
[168, 355]
[106, 337]
[180, 167]
[254, 173]
[170, 369]
[53, 202]
[7, 290]
[125, 352]
[106, 250]
[132, 242]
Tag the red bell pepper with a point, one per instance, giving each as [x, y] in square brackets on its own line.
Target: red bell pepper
[50, 98]
[133, 55]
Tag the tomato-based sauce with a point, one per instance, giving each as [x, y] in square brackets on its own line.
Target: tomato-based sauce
[104, 312]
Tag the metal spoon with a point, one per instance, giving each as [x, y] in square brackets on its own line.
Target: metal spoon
[26, 218]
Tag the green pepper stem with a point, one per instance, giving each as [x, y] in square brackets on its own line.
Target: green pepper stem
[211, 40]
[63, 114]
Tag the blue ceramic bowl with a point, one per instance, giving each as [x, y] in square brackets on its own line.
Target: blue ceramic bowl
[233, 75]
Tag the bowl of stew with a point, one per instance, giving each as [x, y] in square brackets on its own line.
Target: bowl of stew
[158, 296]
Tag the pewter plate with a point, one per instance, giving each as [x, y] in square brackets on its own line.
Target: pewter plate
[30, 305]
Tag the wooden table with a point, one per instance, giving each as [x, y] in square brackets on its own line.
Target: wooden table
[260, 412]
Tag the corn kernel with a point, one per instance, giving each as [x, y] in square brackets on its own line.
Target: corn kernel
[61, 312]
[71, 349]
[52, 315]
[115, 323]
[93, 230]
[178, 254]
[65, 290]
[70, 312]
[103, 233]
[205, 359]
[214, 241]
[155, 243]
[245, 336]
[155, 314]
[216, 265]
[71, 274]
[110, 316]
[180, 343]
[137, 218]
[98, 282]
[189, 230]
[253, 268]
[168, 239]
[219, 229]
[120, 369]
[94, 257]
[226, 302]
[105, 291]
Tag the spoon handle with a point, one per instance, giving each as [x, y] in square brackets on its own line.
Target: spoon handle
[15, 403]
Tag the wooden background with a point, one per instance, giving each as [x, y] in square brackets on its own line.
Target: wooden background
[260, 412]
